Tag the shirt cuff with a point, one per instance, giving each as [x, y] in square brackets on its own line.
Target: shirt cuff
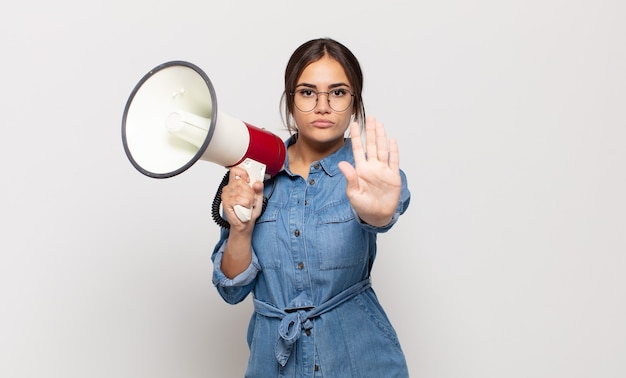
[378, 229]
[242, 279]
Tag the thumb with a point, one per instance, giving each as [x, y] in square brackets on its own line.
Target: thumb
[352, 182]
[258, 187]
[258, 199]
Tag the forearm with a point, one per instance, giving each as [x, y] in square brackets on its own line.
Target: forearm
[237, 254]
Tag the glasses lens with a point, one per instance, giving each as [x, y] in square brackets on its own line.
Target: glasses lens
[305, 99]
[339, 99]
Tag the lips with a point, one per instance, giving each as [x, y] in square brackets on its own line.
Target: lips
[322, 123]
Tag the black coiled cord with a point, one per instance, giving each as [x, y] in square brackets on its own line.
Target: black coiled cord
[217, 201]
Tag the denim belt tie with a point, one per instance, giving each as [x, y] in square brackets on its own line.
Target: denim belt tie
[295, 319]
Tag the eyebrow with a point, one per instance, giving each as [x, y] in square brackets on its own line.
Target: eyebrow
[313, 86]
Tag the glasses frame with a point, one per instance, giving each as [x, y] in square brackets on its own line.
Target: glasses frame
[317, 96]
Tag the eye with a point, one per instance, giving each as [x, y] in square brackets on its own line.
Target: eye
[306, 93]
[339, 92]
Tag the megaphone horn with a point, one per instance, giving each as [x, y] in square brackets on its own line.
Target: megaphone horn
[171, 121]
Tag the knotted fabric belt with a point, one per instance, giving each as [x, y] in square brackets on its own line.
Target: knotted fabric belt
[294, 321]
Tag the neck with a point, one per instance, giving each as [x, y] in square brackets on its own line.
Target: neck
[307, 152]
[303, 153]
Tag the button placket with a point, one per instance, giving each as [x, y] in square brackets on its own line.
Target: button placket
[296, 224]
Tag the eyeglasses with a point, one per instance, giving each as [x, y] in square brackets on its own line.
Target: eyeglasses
[339, 99]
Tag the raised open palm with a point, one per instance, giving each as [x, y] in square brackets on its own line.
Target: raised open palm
[374, 183]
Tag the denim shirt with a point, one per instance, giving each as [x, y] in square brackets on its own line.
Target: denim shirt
[308, 247]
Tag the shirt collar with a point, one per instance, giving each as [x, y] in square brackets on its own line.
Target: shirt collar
[330, 163]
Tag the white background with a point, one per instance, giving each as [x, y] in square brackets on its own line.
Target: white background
[511, 121]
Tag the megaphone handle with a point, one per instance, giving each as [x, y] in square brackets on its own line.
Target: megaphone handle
[243, 213]
[256, 172]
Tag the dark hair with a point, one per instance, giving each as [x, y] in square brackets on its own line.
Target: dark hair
[310, 52]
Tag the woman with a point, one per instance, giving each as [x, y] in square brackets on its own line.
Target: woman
[307, 257]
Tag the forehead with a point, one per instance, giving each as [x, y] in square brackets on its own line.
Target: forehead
[323, 72]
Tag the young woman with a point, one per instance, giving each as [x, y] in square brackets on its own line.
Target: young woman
[307, 257]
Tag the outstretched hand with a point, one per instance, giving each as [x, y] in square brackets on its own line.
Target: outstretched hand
[374, 183]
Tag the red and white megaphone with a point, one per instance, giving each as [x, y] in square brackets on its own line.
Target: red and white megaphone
[171, 121]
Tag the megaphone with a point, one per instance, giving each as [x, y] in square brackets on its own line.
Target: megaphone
[171, 121]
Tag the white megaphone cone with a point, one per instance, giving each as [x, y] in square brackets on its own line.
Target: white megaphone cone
[171, 121]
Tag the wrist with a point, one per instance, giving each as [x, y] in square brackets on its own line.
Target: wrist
[376, 221]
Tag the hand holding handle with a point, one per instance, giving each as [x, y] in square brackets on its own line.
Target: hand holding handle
[256, 172]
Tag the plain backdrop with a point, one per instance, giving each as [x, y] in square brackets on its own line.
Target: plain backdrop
[510, 116]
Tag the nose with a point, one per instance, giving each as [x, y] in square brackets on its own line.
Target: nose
[322, 105]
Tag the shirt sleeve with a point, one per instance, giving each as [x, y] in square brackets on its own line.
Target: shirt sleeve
[236, 289]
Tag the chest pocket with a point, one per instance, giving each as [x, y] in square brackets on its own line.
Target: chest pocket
[265, 240]
[340, 242]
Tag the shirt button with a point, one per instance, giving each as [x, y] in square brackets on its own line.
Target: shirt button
[316, 367]
[301, 266]
[316, 166]
[297, 233]
[311, 182]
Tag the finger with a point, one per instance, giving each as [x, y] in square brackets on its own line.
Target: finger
[238, 194]
[370, 137]
[238, 191]
[357, 143]
[237, 173]
[352, 182]
[256, 201]
[258, 186]
[394, 155]
[381, 143]
[246, 200]
[257, 190]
